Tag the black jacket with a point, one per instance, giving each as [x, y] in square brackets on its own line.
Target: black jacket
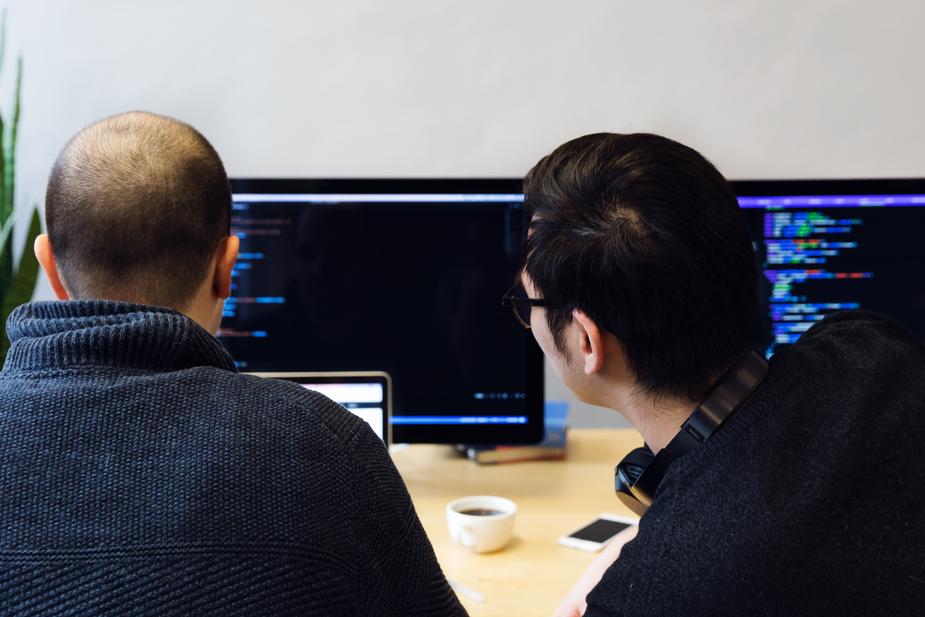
[810, 501]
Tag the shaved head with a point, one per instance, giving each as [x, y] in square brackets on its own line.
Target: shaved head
[136, 206]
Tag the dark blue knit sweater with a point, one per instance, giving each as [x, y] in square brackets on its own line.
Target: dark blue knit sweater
[140, 474]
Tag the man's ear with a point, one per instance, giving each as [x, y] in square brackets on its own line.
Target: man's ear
[43, 253]
[592, 342]
[225, 257]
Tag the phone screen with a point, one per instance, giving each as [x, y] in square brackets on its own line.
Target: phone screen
[600, 530]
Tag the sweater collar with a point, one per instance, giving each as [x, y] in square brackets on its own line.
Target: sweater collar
[75, 333]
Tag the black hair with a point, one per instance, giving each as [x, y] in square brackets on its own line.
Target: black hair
[645, 236]
[136, 205]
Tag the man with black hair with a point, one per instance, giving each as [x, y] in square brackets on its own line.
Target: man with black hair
[808, 499]
[139, 472]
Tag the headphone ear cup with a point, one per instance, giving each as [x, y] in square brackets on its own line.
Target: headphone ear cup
[634, 463]
[627, 473]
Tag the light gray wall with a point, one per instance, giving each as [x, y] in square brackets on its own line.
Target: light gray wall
[484, 87]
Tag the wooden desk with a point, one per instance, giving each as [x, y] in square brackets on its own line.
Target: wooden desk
[532, 574]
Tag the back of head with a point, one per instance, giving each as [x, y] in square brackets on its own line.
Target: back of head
[645, 236]
[136, 205]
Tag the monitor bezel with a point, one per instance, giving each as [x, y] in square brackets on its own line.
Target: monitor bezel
[529, 433]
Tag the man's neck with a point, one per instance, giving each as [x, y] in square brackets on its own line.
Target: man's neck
[658, 432]
[657, 420]
[205, 308]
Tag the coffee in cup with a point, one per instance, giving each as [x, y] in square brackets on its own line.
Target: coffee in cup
[481, 523]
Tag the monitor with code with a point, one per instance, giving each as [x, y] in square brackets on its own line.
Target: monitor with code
[401, 276]
[833, 245]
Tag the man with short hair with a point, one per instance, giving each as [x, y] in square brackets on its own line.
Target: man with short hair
[139, 472]
[793, 489]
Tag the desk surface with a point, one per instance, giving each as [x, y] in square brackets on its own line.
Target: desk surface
[533, 573]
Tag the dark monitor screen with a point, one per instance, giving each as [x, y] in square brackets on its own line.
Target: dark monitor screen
[402, 276]
[831, 245]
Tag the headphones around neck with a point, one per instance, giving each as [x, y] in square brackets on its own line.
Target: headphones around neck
[638, 475]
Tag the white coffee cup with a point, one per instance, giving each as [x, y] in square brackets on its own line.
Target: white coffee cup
[481, 523]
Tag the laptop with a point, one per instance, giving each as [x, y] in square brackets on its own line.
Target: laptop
[368, 395]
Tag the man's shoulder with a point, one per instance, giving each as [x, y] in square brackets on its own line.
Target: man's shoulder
[850, 346]
[874, 333]
[850, 389]
[270, 402]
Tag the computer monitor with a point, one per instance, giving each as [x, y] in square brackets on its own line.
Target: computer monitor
[401, 276]
[831, 245]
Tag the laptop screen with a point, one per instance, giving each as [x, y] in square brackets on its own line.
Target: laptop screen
[365, 400]
[367, 395]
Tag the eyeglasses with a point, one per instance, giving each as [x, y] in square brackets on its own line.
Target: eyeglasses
[517, 300]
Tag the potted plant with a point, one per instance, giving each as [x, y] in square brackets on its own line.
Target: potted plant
[16, 284]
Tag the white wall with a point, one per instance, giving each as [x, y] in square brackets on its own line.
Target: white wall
[483, 87]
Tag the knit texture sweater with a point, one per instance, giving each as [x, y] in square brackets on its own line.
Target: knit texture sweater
[810, 501]
[140, 474]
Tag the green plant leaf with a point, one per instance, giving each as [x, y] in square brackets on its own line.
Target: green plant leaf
[3, 155]
[6, 233]
[9, 162]
[23, 284]
[6, 253]
[4, 199]
[27, 273]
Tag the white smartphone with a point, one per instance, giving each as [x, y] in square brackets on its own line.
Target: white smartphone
[597, 534]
